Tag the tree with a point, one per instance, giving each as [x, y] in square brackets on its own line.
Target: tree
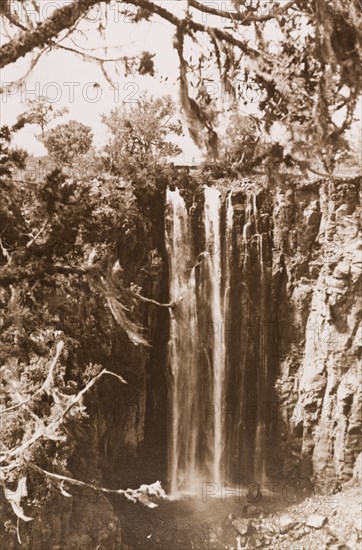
[61, 292]
[139, 135]
[242, 149]
[241, 146]
[12, 222]
[301, 56]
[68, 142]
[40, 112]
[11, 158]
[139, 148]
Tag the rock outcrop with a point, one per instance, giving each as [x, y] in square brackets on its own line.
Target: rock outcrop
[317, 241]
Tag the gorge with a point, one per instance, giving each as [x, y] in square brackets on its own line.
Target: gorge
[257, 342]
[264, 339]
[252, 377]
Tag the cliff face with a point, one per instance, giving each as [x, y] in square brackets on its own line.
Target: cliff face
[314, 347]
[314, 336]
[315, 342]
[317, 276]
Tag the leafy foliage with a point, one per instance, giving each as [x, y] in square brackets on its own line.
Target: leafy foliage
[139, 145]
[139, 135]
[10, 158]
[39, 111]
[241, 148]
[68, 142]
[59, 283]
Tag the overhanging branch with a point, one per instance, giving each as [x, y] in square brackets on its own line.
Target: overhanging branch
[244, 18]
[26, 41]
[67, 16]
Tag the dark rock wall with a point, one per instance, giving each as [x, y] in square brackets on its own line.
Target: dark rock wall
[313, 337]
[317, 278]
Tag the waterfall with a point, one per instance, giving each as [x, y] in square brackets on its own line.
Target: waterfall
[182, 349]
[218, 344]
[213, 259]
[259, 467]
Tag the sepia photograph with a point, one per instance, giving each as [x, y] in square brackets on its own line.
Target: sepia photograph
[180, 274]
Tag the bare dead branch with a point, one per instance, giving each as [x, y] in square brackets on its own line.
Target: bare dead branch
[150, 301]
[41, 230]
[26, 41]
[91, 383]
[5, 252]
[21, 80]
[134, 495]
[67, 16]
[86, 56]
[49, 431]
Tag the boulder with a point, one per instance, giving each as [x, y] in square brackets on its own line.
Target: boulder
[316, 521]
[242, 525]
[286, 523]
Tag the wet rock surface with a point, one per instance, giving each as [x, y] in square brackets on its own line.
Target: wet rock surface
[242, 525]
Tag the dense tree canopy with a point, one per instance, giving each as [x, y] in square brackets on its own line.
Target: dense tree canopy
[62, 293]
[139, 135]
[301, 56]
[67, 143]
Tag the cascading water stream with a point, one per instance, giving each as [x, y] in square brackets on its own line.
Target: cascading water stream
[182, 353]
[217, 280]
[228, 259]
[213, 259]
[259, 467]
